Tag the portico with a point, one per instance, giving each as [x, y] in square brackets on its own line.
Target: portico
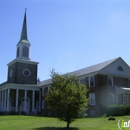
[14, 98]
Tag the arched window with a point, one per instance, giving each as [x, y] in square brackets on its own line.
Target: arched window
[120, 68]
[25, 51]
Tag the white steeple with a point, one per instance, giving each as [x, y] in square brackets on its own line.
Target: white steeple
[23, 45]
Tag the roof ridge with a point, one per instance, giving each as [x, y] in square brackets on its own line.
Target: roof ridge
[87, 70]
[112, 60]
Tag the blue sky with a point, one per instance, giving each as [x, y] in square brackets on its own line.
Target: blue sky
[65, 34]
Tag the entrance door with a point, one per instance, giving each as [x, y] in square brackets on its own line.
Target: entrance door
[27, 107]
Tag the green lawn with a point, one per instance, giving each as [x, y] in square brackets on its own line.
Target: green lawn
[46, 123]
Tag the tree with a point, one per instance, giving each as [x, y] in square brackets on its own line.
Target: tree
[67, 97]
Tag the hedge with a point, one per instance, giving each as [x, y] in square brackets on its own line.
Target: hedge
[118, 110]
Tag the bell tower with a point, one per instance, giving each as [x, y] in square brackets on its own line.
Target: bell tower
[23, 45]
[22, 70]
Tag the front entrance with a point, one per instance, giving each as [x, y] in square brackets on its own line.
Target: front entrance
[25, 104]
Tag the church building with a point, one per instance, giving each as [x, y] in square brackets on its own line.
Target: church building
[21, 90]
[108, 83]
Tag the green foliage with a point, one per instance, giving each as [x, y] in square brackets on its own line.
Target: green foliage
[104, 115]
[118, 110]
[67, 97]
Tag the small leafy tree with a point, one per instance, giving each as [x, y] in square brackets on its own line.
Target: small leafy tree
[67, 97]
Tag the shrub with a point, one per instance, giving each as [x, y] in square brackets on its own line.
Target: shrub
[118, 110]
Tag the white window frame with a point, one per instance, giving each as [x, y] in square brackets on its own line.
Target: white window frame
[92, 99]
[90, 81]
[111, 78]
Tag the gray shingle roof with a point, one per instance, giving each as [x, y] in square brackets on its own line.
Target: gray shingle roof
[94, 68]
[87, 70]
[46, 82]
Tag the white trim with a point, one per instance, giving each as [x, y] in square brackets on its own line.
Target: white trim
[25, 97]
[33, 99]
[22, 61]
[111, 78]
[8, 99]
[24, 105]
[28, 71]
[21, 86]
[39, 100]
[93, 81]
[16, 104]
[5, 100]
[2, 99]
[92, 99]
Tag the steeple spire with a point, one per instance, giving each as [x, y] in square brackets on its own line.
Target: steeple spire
[23, 45]
[24, 29]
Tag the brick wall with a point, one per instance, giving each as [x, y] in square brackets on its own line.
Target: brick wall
[18, 76]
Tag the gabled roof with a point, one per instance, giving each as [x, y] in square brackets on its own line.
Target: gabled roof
[46, 82]
[87, 70]
[94, 68]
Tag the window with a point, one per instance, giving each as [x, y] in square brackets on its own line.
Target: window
[26, 72]
[92, 113]
[120, 68]
[25, 51]
[110, 81]
[11, 73]
[82, 81]
[111, 98]
[91, 81]
[92, 99]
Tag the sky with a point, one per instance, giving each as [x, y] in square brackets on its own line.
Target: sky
[65, 35]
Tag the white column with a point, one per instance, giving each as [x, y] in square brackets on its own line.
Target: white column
[5, 101]
[33, 99]
[2, 99]
[8, 99]
[39, 100]
[16, 103]
[25, 97]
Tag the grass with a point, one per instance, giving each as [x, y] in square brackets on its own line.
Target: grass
[47, 123]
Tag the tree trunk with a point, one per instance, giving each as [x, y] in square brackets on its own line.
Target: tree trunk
[68, 124]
